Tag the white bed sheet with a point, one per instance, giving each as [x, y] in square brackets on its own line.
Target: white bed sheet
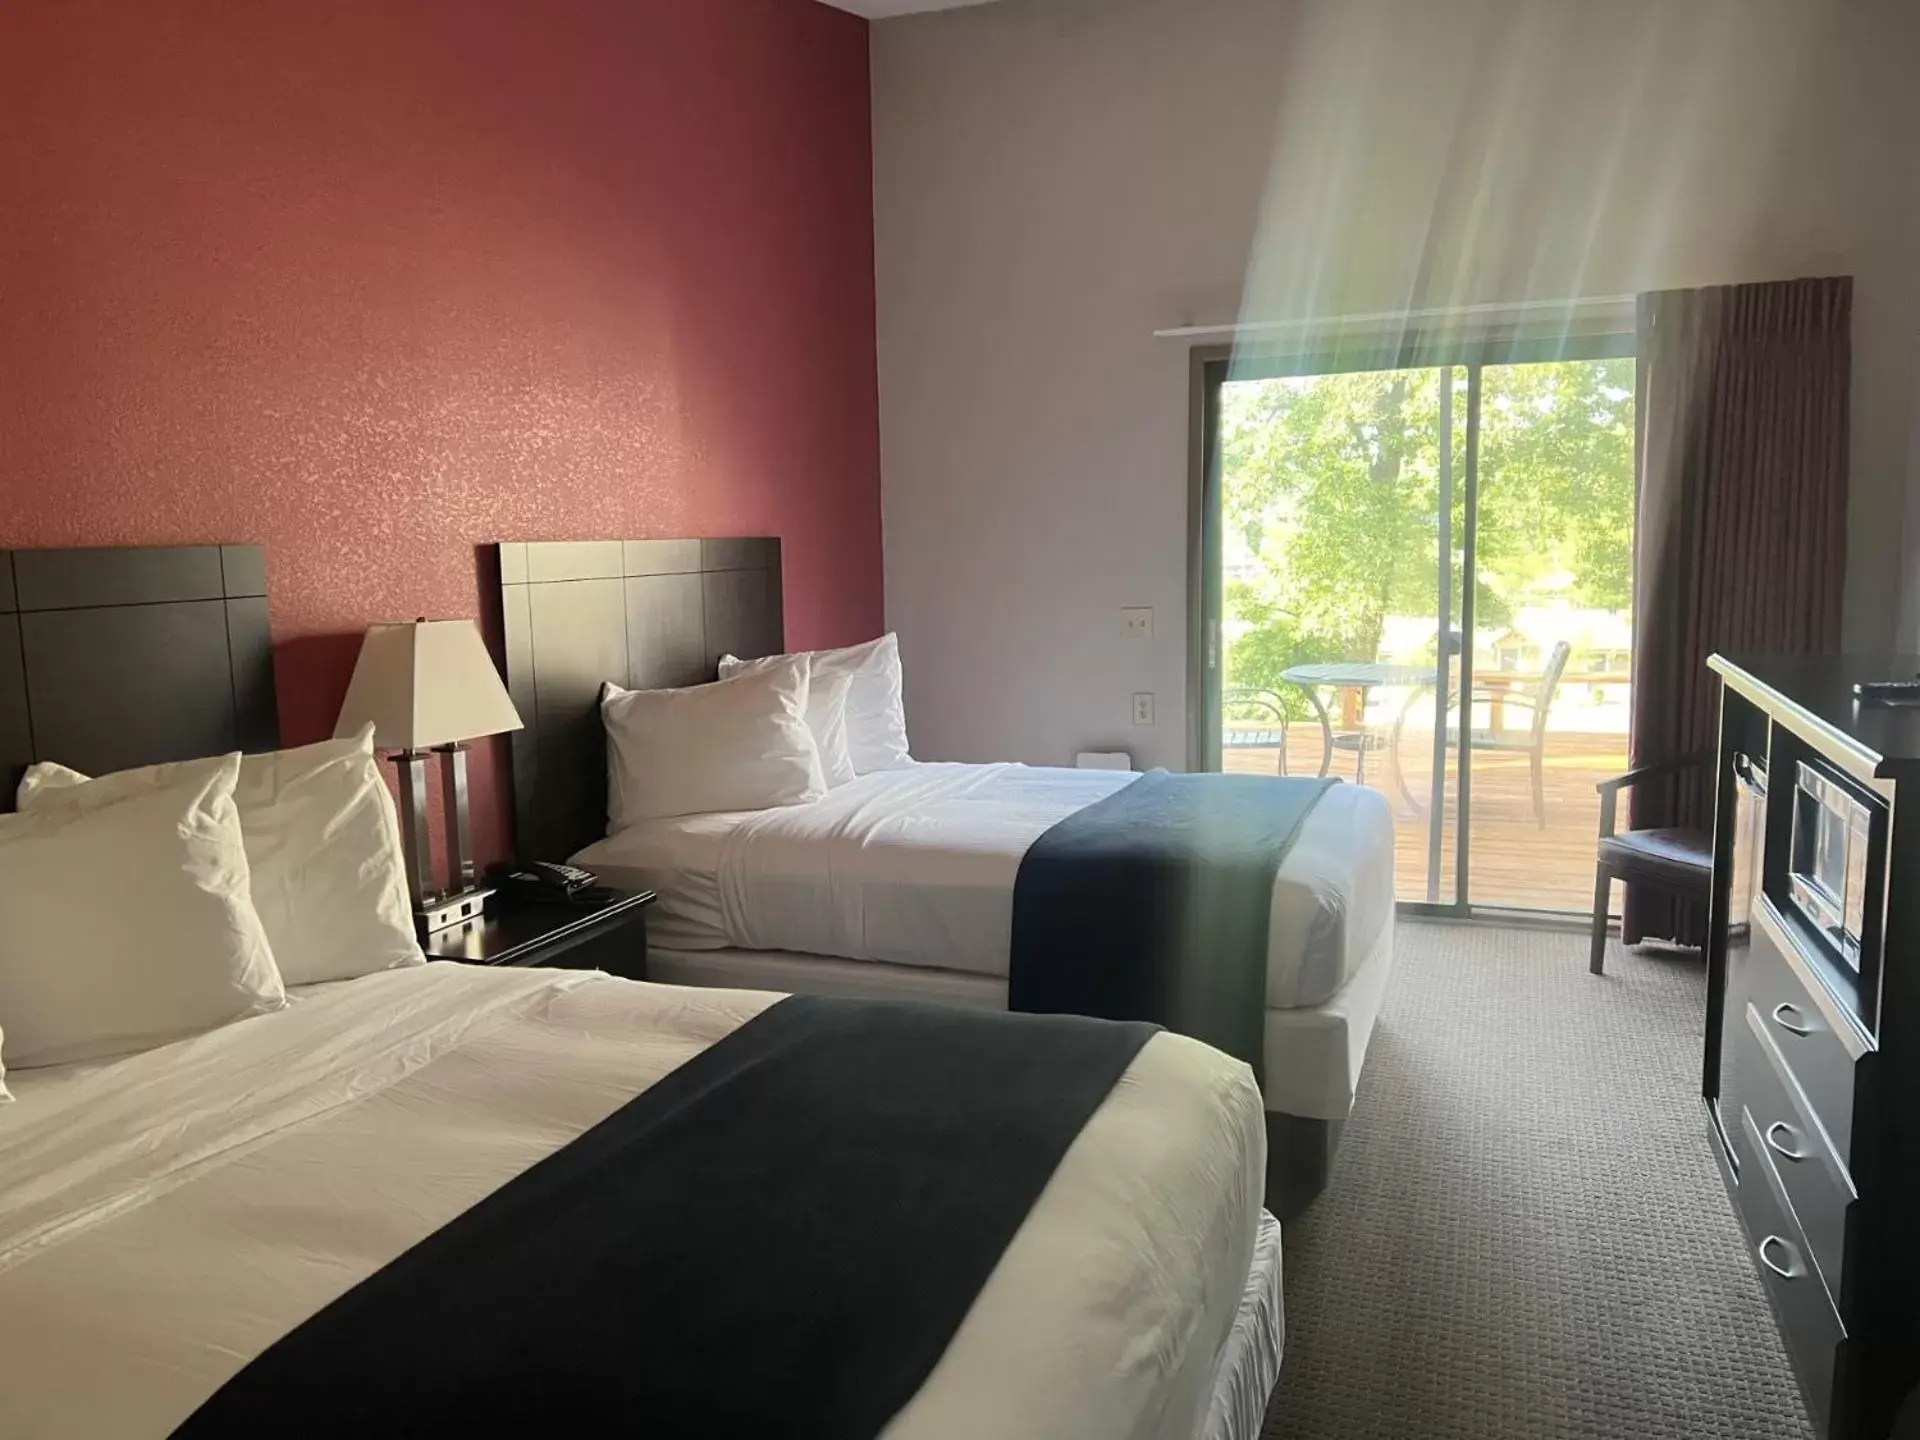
[166, 1217]
[916, 867]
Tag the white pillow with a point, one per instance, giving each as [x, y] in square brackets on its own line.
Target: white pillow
[128, 923]
[876, 714]
[738, 744]
[323, 849]
[827, 690]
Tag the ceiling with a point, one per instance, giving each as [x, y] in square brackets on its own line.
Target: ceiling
[881, 9]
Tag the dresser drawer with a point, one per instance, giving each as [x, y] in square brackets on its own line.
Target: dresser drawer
[1808, 1322]
[1806, 1025]
[1816, 1183]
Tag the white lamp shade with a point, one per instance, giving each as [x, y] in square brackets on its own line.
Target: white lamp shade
[425, 683]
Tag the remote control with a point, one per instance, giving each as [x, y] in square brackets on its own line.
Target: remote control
[1888, 692]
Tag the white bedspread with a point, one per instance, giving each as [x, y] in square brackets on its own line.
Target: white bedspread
[916, 867]
[164, 1218]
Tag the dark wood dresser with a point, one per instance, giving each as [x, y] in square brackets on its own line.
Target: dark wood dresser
[1812, 1074]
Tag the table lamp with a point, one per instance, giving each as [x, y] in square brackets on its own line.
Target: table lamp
[427, 687]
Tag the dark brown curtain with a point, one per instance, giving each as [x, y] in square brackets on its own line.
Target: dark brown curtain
[1740, 540]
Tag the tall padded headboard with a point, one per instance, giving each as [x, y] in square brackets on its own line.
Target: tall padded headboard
[111, 658]
[642, 613]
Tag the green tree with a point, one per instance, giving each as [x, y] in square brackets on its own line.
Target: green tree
[1331, 483]
[1556, 482]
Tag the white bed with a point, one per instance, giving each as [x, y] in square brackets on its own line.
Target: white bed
[900, 884]
[165, 1217]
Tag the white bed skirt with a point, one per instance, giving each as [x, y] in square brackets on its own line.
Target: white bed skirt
[1313, 1055]
[1250, 1360]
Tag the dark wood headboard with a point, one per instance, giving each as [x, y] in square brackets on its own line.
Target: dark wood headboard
[116, 658]
[644, 614]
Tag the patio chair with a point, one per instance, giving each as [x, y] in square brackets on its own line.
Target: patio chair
[1531, 742]
[1261, 725]
[1672, 860]
[1367, 740]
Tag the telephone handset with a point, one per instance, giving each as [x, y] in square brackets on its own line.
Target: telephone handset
[540, 879]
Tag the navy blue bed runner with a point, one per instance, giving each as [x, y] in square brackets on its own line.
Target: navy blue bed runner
[778, 1238]
[1153, 904]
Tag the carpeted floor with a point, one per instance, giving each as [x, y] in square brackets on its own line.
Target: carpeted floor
[1525, 1235]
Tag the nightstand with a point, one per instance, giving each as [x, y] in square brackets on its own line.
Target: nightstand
[604, 930]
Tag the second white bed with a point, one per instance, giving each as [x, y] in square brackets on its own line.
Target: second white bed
[901, 883]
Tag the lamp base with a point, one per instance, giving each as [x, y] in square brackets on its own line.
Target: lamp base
[442, 911]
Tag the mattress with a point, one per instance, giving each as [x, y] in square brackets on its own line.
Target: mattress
[916, 867]
[305, 1149]
[1312, 1056]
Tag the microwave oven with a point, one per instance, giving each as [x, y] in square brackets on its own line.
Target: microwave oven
[1833, 835]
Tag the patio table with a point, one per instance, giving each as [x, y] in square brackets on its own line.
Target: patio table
[1353, 679]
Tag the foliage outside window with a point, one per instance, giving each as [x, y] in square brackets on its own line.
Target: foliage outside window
[1331, 489]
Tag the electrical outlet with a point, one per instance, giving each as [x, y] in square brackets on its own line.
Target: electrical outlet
[1138, 621]
[1143, 708]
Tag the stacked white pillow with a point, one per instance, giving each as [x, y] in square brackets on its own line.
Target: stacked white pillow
[739, 744]
[153, 903]
[128, 923]
[828, 691]
[875, 719]
[323, 850]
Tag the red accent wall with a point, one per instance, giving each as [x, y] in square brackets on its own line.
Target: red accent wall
[374, 282]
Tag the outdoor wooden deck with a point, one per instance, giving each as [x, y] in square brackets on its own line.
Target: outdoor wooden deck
[1515, 862]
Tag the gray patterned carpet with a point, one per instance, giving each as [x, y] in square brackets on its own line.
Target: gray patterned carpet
[1525, 1235]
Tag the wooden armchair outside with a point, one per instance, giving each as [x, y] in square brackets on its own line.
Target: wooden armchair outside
[1535, 695]
[1533, 741]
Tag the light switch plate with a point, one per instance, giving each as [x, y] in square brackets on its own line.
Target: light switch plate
[1143, 707]
[1137, 620]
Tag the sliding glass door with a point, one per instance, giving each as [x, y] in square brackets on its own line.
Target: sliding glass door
[1415, 577]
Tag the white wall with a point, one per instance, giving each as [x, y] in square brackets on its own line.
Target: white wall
[1056, 179]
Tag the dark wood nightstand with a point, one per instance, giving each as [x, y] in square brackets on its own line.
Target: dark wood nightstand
[605, 930]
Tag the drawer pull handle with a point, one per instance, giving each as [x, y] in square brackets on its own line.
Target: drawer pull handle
[1780, 1138]
[1790, 1017]
[1792, 1269]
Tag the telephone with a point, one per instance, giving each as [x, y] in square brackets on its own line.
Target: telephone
[540, 879]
